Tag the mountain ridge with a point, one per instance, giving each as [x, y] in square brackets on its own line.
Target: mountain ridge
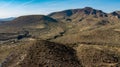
[87, 16]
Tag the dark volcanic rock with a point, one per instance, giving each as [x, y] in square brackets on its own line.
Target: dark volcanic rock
[47, 54]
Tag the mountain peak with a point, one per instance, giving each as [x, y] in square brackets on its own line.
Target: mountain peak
[87, 8]
[116, 13]
[71, 14]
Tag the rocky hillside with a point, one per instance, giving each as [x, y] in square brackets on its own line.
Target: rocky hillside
[35, 25]
[30, 21]
[86, 16]
[44, 54]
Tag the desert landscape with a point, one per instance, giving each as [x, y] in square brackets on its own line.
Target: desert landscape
[82, 37]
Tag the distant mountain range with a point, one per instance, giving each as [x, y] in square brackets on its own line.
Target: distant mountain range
[7, 19]
[4, 20]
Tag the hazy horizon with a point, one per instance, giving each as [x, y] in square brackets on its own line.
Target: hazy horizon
[15, 8]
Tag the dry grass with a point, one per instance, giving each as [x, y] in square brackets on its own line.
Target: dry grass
[98, 56]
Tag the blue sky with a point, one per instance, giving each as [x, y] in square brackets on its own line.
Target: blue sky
[14, 8]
